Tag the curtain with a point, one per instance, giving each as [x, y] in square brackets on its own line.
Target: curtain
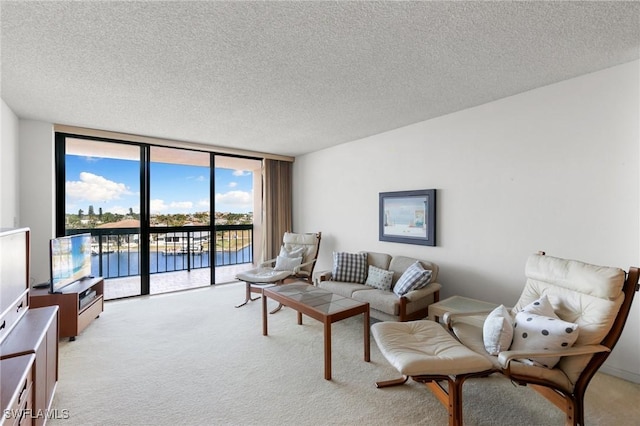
[277, 200]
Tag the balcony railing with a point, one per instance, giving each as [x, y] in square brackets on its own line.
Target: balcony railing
[116, 250]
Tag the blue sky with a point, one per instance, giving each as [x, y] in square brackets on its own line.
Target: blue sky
[114, 186]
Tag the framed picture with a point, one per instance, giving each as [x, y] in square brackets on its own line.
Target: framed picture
[408, 217]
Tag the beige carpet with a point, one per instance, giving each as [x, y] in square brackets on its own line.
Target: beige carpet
[191, 358]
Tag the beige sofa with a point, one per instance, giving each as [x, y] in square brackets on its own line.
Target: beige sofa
[386, 305]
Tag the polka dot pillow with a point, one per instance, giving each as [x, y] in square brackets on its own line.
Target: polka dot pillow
[541, 306]
[538, 333]
[379, 278]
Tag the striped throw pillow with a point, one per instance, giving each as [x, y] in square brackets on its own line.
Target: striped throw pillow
[414, 278]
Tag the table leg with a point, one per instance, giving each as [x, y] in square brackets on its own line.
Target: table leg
[327, 349]
[367, 341]
[264, 314]
[299, 318]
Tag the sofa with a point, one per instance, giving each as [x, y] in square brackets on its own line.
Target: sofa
[397, 288]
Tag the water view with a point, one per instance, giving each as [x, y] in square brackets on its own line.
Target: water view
[127, 263]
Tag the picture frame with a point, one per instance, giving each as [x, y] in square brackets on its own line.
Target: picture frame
[408, 217]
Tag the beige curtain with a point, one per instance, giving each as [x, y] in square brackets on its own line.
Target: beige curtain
[277, 210]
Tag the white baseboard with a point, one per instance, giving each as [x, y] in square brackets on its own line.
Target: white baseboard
[623, 374]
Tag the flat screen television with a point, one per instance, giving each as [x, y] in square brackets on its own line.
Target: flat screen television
[70, 259]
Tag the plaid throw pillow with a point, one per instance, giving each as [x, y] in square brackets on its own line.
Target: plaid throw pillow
[414, 278]
[349, 267]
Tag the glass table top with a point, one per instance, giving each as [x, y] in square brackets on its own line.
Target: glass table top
[319, 299]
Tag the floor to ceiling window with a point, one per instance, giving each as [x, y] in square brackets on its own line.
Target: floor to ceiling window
[102, 188]
[161, 218]
[179, 212]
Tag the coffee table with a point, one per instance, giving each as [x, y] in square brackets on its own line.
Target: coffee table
[321, 305]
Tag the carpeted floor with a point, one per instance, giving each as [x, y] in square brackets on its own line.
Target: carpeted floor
[191, 358]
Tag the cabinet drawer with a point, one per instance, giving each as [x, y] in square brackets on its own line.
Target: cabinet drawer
[90, 313]
[13, 314]
[17, 390]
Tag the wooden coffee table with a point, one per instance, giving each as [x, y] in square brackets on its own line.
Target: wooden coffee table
[321, 305]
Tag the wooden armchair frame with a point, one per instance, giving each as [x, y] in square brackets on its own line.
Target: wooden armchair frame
[255, 282]
[448, 387]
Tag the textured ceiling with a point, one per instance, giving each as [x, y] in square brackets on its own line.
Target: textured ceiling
[293, 77]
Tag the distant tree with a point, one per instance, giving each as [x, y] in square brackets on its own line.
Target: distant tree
[100, 213]
[130, 211]
[179, 219]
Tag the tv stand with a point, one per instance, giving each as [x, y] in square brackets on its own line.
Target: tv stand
[80, 303]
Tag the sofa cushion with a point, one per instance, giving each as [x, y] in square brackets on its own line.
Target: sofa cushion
[379, 260]
[379, 278]
[384, 301]
[342, 288]
[399, 264]
[349, 267]
[414, 278]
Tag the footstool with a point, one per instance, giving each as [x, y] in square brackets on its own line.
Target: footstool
[427, 353]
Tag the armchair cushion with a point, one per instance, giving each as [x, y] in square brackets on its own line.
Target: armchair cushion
[379, 278]
[414, 278]
[497, 331]
[349, 267]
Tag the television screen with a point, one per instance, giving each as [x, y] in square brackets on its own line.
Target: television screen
[70, 260]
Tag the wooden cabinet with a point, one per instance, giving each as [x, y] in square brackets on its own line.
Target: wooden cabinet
[16, 382]
[14, 277]
[80, 303]
[36, 334]
[28, 339]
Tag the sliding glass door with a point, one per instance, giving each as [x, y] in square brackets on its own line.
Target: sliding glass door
[100, 184]
[180, 225]
[161, 218]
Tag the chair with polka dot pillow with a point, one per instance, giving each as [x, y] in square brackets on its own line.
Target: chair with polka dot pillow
[567, 320]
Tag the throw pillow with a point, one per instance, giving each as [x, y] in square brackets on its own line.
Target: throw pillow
[538, 333]
[292, 252]
[497, 331]
[379, 278]
[349, 267]
[542, 306]
[287, 263]
[414, 278]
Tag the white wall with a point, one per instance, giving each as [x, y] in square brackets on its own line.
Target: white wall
[9, 206]
[553, 169]
[37, 191]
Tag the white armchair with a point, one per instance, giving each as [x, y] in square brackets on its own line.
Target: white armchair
[296, 260]
[590, 303]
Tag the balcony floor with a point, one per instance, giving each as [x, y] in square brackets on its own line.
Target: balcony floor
[164, 282]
